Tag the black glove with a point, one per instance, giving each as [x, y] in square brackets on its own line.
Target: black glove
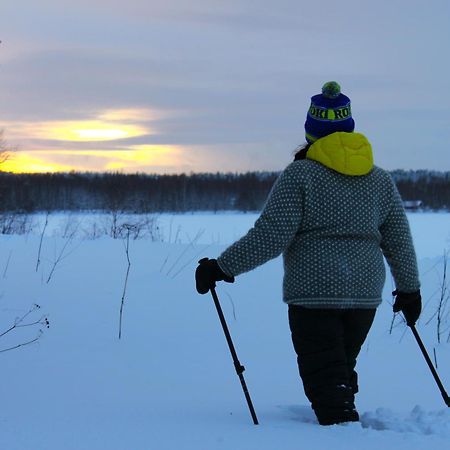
[207, 273]
[410, 304]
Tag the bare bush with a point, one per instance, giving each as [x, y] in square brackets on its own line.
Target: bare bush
[69, 227]
[122, 226]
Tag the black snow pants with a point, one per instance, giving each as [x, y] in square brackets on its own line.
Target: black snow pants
[327, 342]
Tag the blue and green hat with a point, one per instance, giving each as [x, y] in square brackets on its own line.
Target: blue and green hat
[329, 112]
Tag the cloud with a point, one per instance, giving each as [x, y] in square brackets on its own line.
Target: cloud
[106, 125]
[75, 131]
[231, 75]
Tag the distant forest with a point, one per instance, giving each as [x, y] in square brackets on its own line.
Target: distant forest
[179, 193]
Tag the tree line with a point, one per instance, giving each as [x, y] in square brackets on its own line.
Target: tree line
[178, 193]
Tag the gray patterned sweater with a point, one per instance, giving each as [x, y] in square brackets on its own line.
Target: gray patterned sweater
[333, 217]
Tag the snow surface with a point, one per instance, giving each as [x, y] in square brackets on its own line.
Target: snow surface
[169, 383]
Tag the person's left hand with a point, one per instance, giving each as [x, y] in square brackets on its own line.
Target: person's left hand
[207, 273]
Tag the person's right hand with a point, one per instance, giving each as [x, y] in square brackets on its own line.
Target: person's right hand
[410, 304]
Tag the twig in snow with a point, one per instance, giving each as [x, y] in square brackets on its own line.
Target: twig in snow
[443, 299]
[392, 302]
[170, 229]
[20, 323]
[7, 264]
[127, 252]
[164, 263]
[176, 235]
[442, 312]
[191, 243]
[62, 255]
[23, 343]
[232, 304]
[189, 262]
[40, 242]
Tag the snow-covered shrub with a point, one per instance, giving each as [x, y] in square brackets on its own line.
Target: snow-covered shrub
[15, 223]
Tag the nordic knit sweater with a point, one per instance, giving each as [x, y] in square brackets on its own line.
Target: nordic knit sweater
[333, 217]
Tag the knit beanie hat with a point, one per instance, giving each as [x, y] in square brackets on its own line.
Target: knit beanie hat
[329, 112]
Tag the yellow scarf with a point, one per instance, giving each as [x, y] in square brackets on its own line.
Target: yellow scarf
[346, 153]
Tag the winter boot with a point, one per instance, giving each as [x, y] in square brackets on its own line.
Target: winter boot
[335, 404]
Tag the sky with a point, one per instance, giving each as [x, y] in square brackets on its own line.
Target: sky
[204, 85]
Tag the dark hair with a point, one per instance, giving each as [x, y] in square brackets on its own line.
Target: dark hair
[301, 150]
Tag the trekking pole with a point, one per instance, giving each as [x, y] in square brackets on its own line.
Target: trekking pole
[237, 365]
[430, 365]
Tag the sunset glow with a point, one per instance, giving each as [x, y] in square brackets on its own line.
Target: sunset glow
[134, 159]
[26, 163]
[77, 131]
[100, 134]
[47, 146]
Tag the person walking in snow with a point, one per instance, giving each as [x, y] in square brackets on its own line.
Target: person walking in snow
[332, 214]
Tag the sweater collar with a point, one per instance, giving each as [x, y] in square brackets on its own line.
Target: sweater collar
[346, 153]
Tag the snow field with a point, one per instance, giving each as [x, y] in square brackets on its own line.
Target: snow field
[169, 383]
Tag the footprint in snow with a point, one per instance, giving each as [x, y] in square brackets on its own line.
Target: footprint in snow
[417, 421]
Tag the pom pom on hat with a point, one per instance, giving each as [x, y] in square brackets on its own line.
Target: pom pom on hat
[328, 113]
[331, 89]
